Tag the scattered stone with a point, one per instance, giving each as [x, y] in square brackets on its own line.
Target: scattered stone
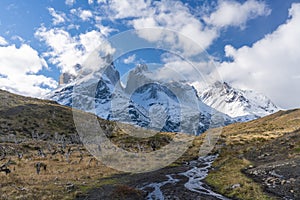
[292, 180]
[70, 187]
[273, 173]
[234, 186]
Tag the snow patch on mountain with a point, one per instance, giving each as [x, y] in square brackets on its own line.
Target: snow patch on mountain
[242, 105]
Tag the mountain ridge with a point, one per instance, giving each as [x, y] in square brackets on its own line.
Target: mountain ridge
[242, 105]
[105, 96]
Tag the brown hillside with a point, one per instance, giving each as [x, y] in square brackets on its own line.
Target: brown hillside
[266, 150]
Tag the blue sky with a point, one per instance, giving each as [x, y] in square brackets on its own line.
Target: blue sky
[252, 42]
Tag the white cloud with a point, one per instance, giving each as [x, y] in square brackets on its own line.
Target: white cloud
[130, 59]
[18, 38]
[66, 51]
[129, 8]
[73, 26]
[90, 15]
[57, 17]
[232, 13]
[85, 15]
[176, 68]
[104, 30]
[152, 18]
[74, 11]
[70, 2]
[98, 1]
[192, 38]
[19, 74]
[101, 1]
[271, 65]
[3, 42]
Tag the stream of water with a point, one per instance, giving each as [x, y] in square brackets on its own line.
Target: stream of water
[198, 171]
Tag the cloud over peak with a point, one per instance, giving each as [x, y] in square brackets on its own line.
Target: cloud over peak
[66, 51]
[271, 65]
[177, 16]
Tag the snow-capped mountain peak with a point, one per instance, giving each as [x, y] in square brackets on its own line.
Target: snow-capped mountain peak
[143, 101]
[243, 105]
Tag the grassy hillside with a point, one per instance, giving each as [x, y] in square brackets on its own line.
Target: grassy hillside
[267, 151]
[36, 131]
[22, 118]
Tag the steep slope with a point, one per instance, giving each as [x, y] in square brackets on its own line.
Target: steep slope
[175, 103]
[23, 117]
[243, 105]
[265, 150]
[146, 102]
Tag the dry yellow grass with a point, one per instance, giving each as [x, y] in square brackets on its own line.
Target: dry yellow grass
[61, 180]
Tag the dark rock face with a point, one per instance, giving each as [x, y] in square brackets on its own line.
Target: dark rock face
[66, 78]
